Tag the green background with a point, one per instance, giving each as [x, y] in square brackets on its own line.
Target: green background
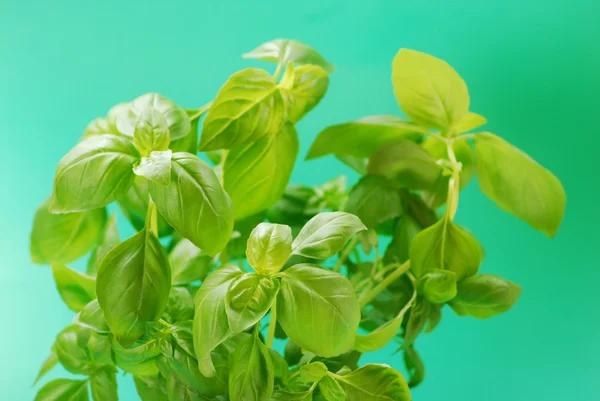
[533, 69]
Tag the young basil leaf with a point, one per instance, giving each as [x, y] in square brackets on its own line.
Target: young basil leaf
[210, 321]
[331, 390]
[189, 263]
[519, 185]
[308, 86]
[419, 314]
[374, 382]
[133, 285]
[71, 350]
[180, 306]
[362, 137]
[177, 119]
[140, 359]
[64, 238]
[483, 296]
[75, 288]
[195, 195]
[251, 377]
[428, 90]
[93, 174]
[398, 249]
[148, 388]
[445, 246]
[315, 303]
[64, 390]
[156, 167]
[134, 205]
[312, 372]
[469, 122]
[405, 162]
[48, 364]
[374, 200]
[438, 286]
[414, 366]
[269, 247]
[103, 384]
[248, 107]
[326, 234]
[256, 175]
[151, 132]
[92, 317]
[286, 51]
[249, 298]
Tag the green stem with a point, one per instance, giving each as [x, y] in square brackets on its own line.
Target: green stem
[453, 182]
[345, 253]
[201, 111]
[272, 325]
[366, 297]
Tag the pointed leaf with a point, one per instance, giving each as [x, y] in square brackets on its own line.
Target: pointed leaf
[251, 377]
[75, 288]
[483, 296]
[308, 86]
[103, 384]
[375, 383]
[287, 51]
[373, 200]
[64, 390]
[269, 247]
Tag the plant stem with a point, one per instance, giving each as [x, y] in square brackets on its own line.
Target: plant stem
[201, 111]
[345, 253]
[365, 298]
[272, 325]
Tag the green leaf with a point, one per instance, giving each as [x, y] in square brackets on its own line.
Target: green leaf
[140, 359]
[195, 204]
[318, 309]
[294, 207]
[438, 286]
[269, 247]
[483, 296]
[156, 167]
[151, 132]
[133, 285]
[64, 238]
[148, 388]
[251, 377]
[414, 366]
[188, 263]
[177, 119]
[249, 298]
[180, 392]
[405, 162]
[308, 86]
[103, 384]
[280, 395]
[210, 321]
[519, 185]
[469, 122]
[248, 107]
[331, 390]
[280, 366]
[180, 305]
[312, 372]
[99, 126]
[188, 143]
[71, 350]
[373, 200]
[362, 137]
[398, 250]
[428, 90]
[445, 246]
[92, 317]
[101, 350]
[374, 382]
[75, 288]
[417, 320]
[48, 364]
[256, 175]
[64, 390]
[109, 239]
[357, 164]
[93, 174]
[326, 234]
[286, 51]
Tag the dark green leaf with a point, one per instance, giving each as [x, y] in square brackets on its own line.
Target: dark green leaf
[293, 208]
[75, 288]
[419, 314]
[414, 366]
[134, 204]
[178, 391]
[249, 298]
[64, 390]
[292, 353]
[374, 200]
[438, 286]
[269, 247]
[251, 377]
[148, 388]
[140, 359]
[286, 51]
[398, 250]
[103, 384]
[483, 296]
[100, 347]
[375, 383]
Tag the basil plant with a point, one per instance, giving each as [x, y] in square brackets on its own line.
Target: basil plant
[228, 256]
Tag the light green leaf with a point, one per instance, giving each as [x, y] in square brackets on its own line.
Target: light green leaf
[64, 390]
[438, 286]
[308, 85]
[109, 239]
[312, 372]
[103, 384]
[318, 309]
[428, 90]
[287, 51]
[357, 164]
[177, 119]
[140, 359]
[373, 200]
[256, 175]
[148, 388]
[280, 395]
[64, 238]
[519, 185]
[75, 288]
[374, 382]
[133, 285]
[249, 298]
[445, 246]
[92, 317]
[251, 377]
[151, 132]
[101, 350]
[180, 305]
[248, 107]
[189, 263]
[469, 122]
[326, 234]
[362, 137]
[156, 167]
[210, 322]
[99, 126]
[483, 296]
[71, 350]
[47, 366]
[331, 390]
[93, 174]
[398, 250]
[269, 247]
[178, 391]
[195, 204]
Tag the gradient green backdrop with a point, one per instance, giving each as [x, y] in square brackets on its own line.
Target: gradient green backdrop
[533, 70]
